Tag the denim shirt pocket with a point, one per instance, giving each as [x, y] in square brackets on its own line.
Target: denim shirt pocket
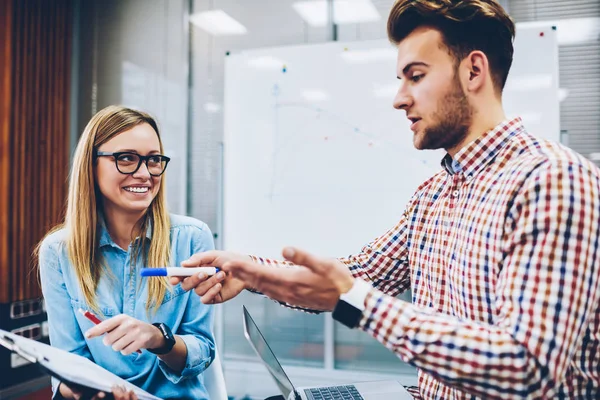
[169, 307]
[171, 294]
[107, 312]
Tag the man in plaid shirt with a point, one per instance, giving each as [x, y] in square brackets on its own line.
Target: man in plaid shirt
[500, 248]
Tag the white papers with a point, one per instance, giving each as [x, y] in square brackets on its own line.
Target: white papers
[67, 366]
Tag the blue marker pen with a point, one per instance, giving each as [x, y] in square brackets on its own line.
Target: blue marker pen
[178, 271]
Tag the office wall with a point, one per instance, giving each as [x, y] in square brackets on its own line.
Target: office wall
[134, 52]
[579, 66]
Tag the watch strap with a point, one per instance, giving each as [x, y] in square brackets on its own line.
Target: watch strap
[350, 306]
[167, 335]
[357, 294]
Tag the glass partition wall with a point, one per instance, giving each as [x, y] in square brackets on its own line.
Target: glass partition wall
[221, 26]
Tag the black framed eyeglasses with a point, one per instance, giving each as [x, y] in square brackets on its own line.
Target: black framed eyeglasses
[128, 163]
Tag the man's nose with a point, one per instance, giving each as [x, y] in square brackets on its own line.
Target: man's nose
[403, 100]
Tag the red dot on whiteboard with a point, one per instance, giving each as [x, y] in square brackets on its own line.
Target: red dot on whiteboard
[541, 33]
[370, 144]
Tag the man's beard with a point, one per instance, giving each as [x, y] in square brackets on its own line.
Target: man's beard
[454, 117]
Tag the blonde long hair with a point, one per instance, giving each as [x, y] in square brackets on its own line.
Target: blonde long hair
[81, 220]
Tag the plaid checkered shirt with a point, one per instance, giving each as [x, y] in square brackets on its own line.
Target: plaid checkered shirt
[502, 252]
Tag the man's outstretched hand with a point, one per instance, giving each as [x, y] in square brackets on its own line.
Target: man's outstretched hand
[217, 288]
[316, 283]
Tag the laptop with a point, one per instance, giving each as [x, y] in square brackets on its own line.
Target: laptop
[374, 390]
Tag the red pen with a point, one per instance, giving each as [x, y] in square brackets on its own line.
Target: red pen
[92, 317]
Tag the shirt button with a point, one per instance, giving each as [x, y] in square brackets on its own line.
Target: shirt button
[469, 177]
[455, 193]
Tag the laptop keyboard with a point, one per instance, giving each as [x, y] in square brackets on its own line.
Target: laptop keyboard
[346, 392]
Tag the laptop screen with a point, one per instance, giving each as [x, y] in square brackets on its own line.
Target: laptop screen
[258, 342]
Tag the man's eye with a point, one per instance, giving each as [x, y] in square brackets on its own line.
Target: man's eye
[416, 78]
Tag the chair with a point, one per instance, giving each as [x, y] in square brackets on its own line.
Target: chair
[214, 380]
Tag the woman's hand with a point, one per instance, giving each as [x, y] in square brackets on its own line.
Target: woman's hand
[127, 334]
[78, 392]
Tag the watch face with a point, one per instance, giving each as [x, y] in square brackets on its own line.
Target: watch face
[165, 331]
[169, 339]
[347, 314]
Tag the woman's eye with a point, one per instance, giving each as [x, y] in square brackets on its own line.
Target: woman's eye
[416, 78]
[128, 158]
[154, 160]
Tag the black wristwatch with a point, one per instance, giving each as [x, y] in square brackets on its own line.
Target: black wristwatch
[169, 339]
[349, 308]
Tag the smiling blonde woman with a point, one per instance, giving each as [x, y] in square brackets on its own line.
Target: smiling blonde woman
[155, 336]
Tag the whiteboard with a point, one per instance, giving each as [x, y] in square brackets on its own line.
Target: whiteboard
[315, 156]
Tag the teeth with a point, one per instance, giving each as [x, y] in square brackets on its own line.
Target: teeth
[137, 189]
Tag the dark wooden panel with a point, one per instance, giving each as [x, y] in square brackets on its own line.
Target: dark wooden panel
[36, 135]
[6, 76]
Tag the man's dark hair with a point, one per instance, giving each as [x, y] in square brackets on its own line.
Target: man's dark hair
[465, 26]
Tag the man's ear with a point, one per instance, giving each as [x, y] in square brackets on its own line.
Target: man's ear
[475, 71]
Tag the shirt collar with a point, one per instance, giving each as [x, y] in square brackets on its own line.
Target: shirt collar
[106, 240]
[482, 150]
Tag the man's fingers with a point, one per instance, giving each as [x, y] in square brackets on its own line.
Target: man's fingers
[174, 280]
[301, 257]
[279, 284]
[258, 276]
[200, 259]
[191, 282]
[209, 283]
[211, 296]
[201, 282]
[246, 271]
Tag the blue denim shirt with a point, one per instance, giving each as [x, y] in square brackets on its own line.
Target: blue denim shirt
[126, 293]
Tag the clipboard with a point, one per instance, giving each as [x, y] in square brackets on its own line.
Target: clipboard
[68, 367]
